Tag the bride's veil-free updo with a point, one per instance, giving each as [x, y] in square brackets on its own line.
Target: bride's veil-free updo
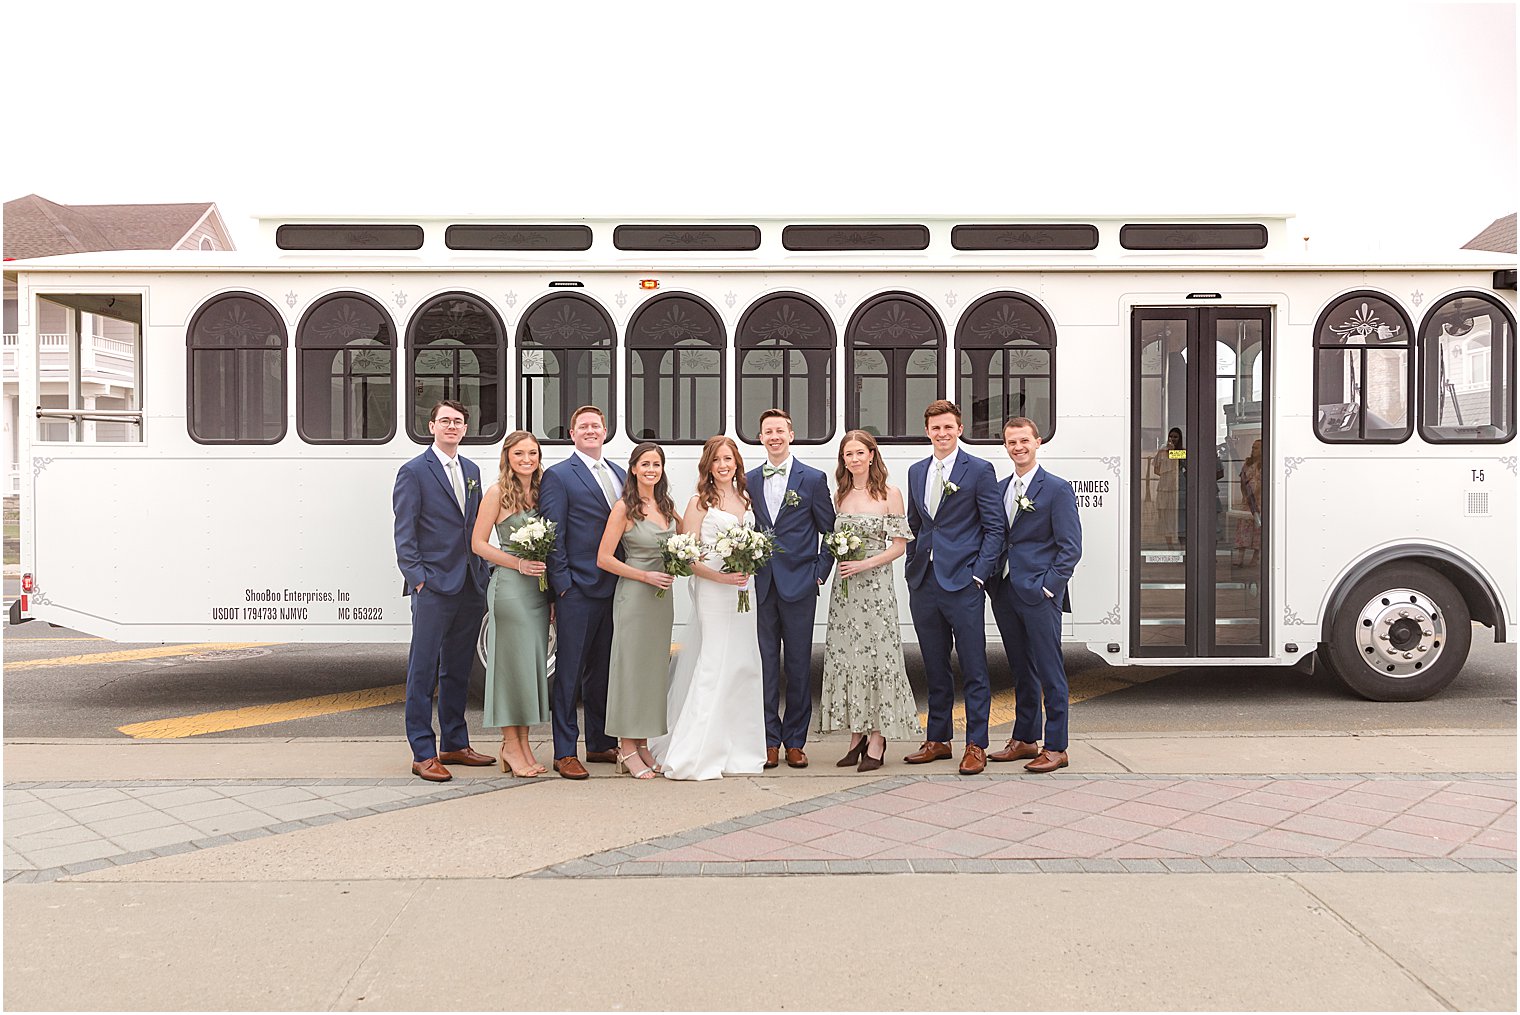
[708, 494]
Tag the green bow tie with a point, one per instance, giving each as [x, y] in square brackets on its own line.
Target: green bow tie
[767, 471]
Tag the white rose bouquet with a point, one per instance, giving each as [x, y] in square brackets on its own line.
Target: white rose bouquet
[845, 544]
[744, 551]
[532, 540]
[678, 554]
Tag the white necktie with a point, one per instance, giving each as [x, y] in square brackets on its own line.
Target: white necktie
[457, 482]
[601, 474]
[936, 487]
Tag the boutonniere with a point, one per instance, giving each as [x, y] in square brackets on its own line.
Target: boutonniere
[791, 499]
[471, 485]
[949, 488]
[1023, 504]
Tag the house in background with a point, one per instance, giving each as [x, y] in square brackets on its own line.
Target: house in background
[1498, 237]
[108, 360]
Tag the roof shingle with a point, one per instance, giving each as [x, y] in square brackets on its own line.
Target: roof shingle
[37, 227]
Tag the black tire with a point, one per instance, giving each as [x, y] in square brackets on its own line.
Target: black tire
[1401, 634]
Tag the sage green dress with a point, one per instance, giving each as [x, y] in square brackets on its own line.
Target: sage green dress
[517, 643]
[641, 623]
[865, 683]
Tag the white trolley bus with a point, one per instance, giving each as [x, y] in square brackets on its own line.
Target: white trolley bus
[1275, 455]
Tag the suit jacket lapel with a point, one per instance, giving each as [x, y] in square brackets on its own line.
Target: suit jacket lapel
[579, 468]
[436, 468]
[756, 480]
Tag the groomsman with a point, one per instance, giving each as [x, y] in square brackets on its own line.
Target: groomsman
[1044, 545]
[577, 495]
[794, 503]
[436, 497]
[958, 544]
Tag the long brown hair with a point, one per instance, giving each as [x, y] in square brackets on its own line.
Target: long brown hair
[876, 474]
[631, 499]
[707, 487]
[512, 498]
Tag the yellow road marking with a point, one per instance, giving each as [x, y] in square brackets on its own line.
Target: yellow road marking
[130, 655]
[1083, 688]
[263, 715]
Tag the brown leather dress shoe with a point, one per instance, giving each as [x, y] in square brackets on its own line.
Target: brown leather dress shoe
[796, 758]
[1016, 750]
[431, 770]
[1048, 761]
[930, 750]
[772, 757]
[571, 768]
[974, 761]
[468, 756]
[603, 757]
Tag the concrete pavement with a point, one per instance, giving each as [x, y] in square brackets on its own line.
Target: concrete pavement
[1329, 870]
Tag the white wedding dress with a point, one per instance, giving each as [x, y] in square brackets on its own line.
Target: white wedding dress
[714, 709]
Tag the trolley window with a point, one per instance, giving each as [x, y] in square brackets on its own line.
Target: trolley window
[564, 359]
[892, 353]
[676, 345]
[346, 372]
[456, 346]
[1006, 352]
[1467, 371]
[1363, 371]
[236, 372]
[785, 354]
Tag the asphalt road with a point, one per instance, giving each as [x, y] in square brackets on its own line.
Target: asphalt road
[93, 697]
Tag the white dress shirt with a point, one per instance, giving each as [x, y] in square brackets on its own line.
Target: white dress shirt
[612, 477]
[947, 466]
[1009, 499]
[775, 486]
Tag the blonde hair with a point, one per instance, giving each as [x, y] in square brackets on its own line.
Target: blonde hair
[876, 474]
[513, 499]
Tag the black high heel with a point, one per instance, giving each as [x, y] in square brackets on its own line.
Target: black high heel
[868, 763]
[856, 752]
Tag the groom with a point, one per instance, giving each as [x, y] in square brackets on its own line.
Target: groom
[794, 503]
[436, 497]
[958, 531]
[577, 495]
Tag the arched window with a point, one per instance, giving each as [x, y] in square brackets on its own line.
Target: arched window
[892, 351]
[456, 346]
[1006, 354]
[236, 372]
[676, 345]
[564, 360]
[346, 372]
[785, 346]
[1363, 371]
[1467, 371]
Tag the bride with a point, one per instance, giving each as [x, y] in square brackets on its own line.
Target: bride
[714, 711]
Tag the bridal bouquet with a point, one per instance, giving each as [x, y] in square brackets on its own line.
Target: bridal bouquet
[678, 554]
[845, 544]
[532, 540]
[744, 551]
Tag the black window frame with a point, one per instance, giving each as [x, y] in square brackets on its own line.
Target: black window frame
[679, 236]
[1321, 347]
[895, 375]
[633, 345]
[301, 346]
[828, 343]
[474, 434]
[1174, 236]
[1025, 236]
[1429, 377]
[884, 236]
[350, 236]
[511, 236]
[191, 350]
[523, 345]
[966, 401]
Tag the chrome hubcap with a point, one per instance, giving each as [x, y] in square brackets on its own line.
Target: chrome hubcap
[1400, 632]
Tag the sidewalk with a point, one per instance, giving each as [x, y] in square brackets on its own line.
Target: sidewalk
[1304, 871]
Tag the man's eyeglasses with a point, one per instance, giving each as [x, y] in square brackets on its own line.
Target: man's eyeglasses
[450, 424]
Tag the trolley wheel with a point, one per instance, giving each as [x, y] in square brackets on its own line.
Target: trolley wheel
[485, 627]
[1401, 634]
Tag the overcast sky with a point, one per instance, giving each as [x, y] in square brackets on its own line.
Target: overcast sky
[1382, 125]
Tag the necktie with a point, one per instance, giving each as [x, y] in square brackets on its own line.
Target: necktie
[600, 469]
[457, 483]
[936, 487]
[767, 470]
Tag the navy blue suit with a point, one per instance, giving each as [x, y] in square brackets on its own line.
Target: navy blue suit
[571, 497]
[1044, 545]
[433, 550]
[787, 589]
[962, 544]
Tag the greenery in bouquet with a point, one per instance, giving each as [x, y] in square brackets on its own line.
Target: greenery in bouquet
[532, 540]
[844, 543]
[678, 554]
[744, 550]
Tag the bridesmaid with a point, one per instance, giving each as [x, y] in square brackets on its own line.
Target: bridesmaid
[865, 684]
[517, 635]
[642, 519]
